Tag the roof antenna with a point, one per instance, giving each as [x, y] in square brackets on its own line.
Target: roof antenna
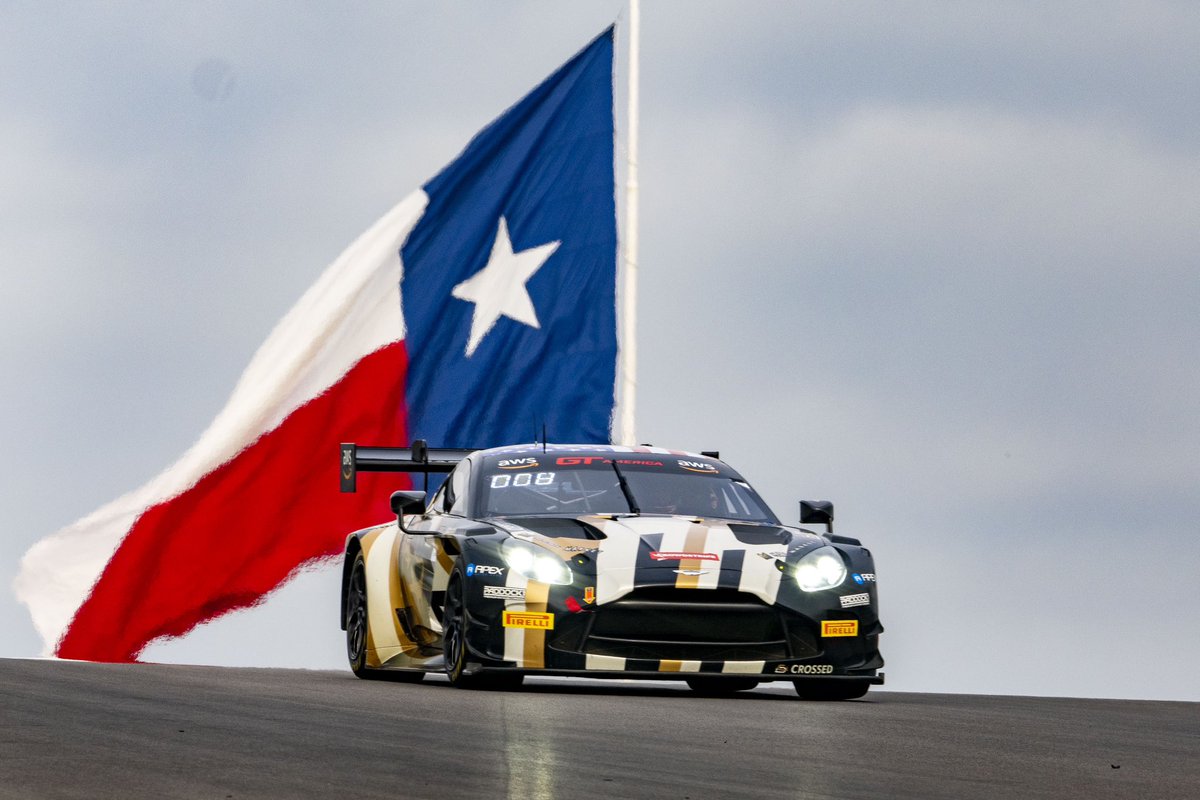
[543, 436]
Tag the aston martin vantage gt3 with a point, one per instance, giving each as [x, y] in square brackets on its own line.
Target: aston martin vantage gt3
[603, 561]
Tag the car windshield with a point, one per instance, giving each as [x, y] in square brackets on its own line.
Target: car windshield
[559, 483]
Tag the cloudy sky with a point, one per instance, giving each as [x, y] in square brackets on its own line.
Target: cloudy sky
[935, 262]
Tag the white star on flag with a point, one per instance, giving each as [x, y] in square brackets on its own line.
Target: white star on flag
[499, 288]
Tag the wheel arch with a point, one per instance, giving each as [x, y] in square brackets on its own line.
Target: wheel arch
[353, 548]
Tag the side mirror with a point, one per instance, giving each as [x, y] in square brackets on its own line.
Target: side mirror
[407, 503]
[817, 512]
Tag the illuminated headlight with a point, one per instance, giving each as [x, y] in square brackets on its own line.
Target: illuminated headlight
[821, 569]
[535, 564]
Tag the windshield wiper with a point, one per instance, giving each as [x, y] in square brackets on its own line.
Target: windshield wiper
[633, 506]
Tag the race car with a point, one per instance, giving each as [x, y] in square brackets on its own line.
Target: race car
[603, 562]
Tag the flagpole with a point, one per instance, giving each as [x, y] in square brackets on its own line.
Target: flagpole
[628, 365]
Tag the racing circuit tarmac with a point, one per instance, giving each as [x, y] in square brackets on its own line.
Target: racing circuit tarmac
[154, 731]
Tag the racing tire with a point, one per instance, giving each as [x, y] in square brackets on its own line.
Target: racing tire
[357, 616]
[720, 687]
[817, 689]
[454, 645]
[454, 633]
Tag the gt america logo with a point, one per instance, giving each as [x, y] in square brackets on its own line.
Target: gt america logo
[662, 556]
[577, 461]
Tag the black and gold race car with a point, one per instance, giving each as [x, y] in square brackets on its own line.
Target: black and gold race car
[603, 561]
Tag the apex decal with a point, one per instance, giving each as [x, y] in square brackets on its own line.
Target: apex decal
[483, 569]
[663, 556]
[831, 628]
[864, 577]
[534, 620]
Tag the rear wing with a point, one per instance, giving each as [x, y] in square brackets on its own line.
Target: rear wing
[418, 458]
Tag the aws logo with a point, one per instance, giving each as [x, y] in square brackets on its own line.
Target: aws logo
[698, 466]
[517, 463]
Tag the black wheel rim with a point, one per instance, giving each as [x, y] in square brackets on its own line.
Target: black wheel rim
[356, 617]
[452, 636]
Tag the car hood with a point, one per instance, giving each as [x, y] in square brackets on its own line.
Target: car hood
[633, 551]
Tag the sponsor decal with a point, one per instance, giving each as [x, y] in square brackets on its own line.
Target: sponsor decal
[691, 573]
[517, 463]
[571, 548]
[773, 554]
[664, 556]
[589, 594]
[576, 461]
[851, 600]
[804, 669]
[864, 577]
[698, 466]
[831, 628]
[483, 569]
[583, 461]
[529, 619]
[504, 592]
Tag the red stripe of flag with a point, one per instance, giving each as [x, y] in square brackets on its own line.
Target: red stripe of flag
[241, 531]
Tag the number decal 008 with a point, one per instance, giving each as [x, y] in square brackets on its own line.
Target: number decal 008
[522, 479]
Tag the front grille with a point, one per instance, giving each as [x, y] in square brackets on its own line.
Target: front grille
[689, 625]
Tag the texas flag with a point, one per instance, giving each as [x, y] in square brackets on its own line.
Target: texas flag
[477, 312]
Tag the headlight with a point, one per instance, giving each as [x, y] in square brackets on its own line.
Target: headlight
[823, 568]
[535, 563]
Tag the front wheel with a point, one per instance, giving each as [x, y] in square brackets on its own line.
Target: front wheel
[817, 689]
[454, 632]
[454, 645]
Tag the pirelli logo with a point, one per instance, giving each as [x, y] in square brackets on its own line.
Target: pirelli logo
[837, 627]
[529, 619]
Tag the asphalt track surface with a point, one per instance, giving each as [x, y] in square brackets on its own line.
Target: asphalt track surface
[157, 731]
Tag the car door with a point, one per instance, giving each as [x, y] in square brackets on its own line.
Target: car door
[424, 561]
